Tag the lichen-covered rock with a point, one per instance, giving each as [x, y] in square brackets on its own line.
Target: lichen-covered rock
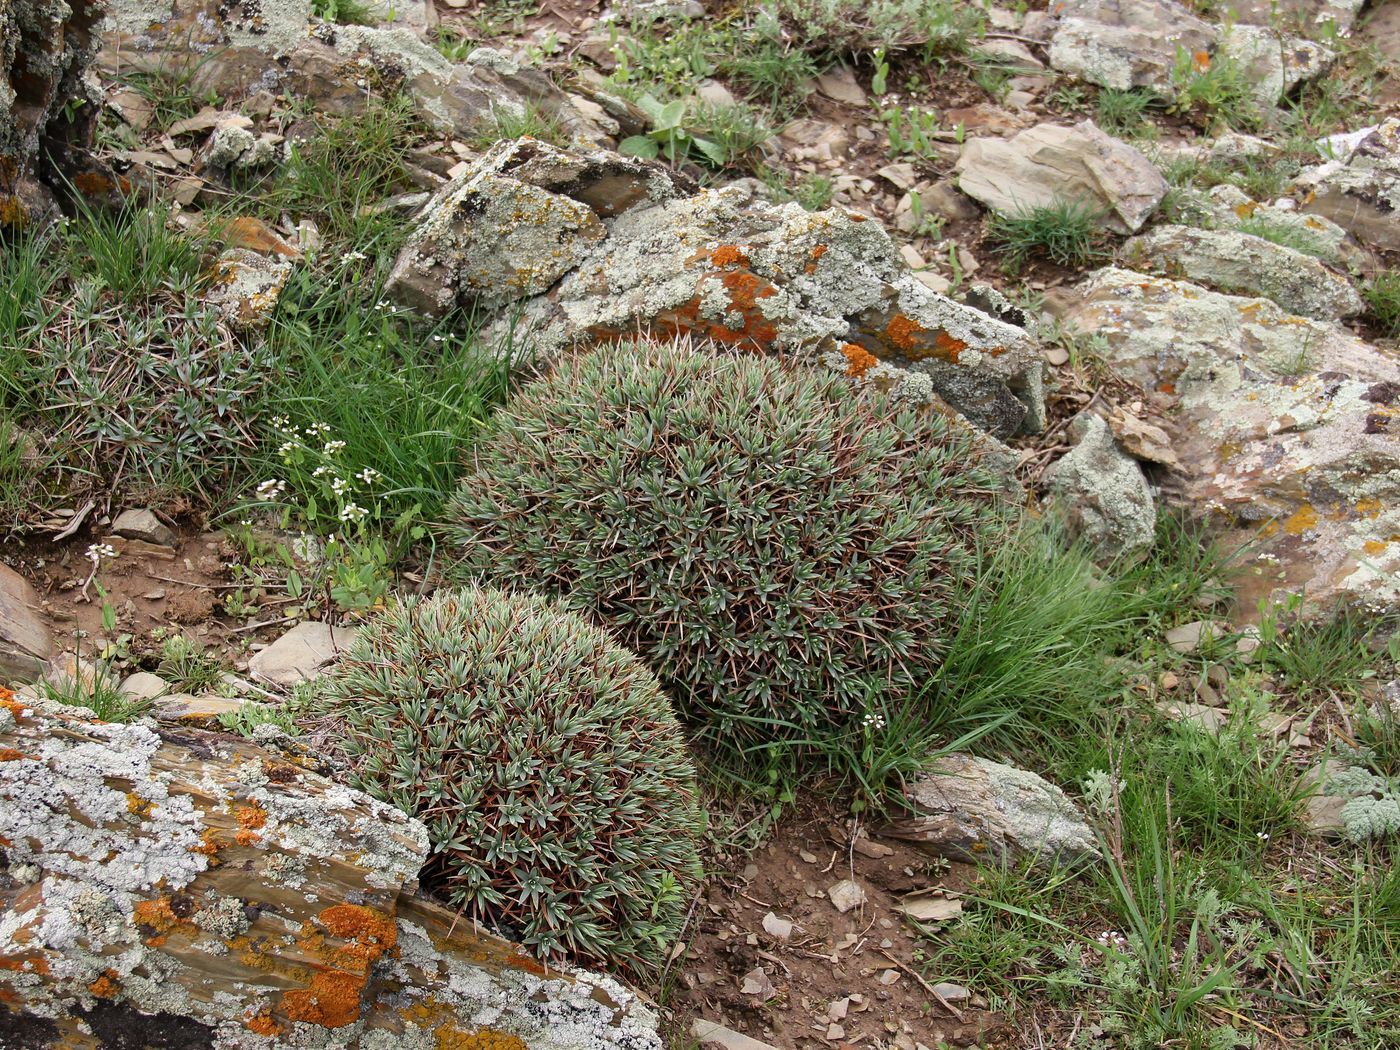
[246, 286]
[1341, 14]
[1051, 163]
[1287, 428]
[1243, 264]
[975, 809]
[1127, 44]
[197, 885]
[236, 49]
[1229, 206]
[713, 264]
[1102, 493]
[46, 110]
[1274, 63]
[1361, 189]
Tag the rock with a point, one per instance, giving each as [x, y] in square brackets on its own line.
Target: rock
[232, 146]
[1285, 428]
[707, 1033]
[1341, 14]
[1049, 163]
[238, 50]
[1010, 53]
[846, 895]
[975, 809]
[26, 646]
[300, 653]
[720, 266]
[840, 85]
[945, 199]
[200, 710]
[1274, 63]
[142, 524]
[200, 891]
[1227, 205]
[1359, 191]
[246, 286]
[1203, 717]
[1127, 44]
[1243, 264]
[47, 110]
[143, 685]
[1102, 493]
[1187, 637]
[949, 992]
[499, 233]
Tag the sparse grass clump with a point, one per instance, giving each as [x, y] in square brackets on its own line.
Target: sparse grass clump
[1066, 233]
[1285, 234]
[343, 12]
[347, 164]
[1124, 112]
[512, 124]
[544, 760]
[186, 665]
[97, 691]
[1382, 295]
[1215, 91]
[776, 546]
[931, 27]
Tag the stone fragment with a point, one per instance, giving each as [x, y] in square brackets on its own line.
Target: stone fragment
[203, 710]
[975, 809]
[1101, 492]
[196, 890]
[840, 85]
[246, 286]
[1049, 164]
[1202, 716]
[1360, 190]
[1188, 637]
[1286, 429]
[301, 653]
[1243, 264]
[140, 523]
[707, 1033]
[1127, 44]
[1341, 14]
[846, 895]
[143, 685]
[26, 646]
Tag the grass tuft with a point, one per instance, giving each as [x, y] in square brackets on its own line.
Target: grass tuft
[1066, 233]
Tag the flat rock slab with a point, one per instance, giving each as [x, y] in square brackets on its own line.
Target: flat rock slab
[1360, 190]
[300, 653]
[1051, 164]
[25, 642]
[983, 811]
[142, 524]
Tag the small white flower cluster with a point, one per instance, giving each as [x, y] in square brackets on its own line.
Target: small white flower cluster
[350, 257]
[99, 551]
[270, 489]
[1115, 940]
[872, 720]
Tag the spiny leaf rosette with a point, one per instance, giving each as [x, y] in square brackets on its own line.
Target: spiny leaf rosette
[774, 544]
[544, 760]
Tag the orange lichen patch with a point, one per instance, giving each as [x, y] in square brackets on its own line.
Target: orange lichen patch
[252, 233]
[25, 963]
[1374, 546]
[12, 212]
[332, 1000]
[106, 986]
[10, 754]
[210, 844]
[1246, 209]
[137, 805]
[729, 255]
[483, 1039]
[249, 819]
[1368, 506]
[529, 964]
[812, 257]
[1166, 388]
[1201, 61]
[903, 332]
[263, 1024]
[859, 360]
[1301, 520]
[371, 933]
[93, 184]
[159, 918]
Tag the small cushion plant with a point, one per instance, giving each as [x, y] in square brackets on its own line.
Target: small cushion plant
[545, 761]
[776, 544]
